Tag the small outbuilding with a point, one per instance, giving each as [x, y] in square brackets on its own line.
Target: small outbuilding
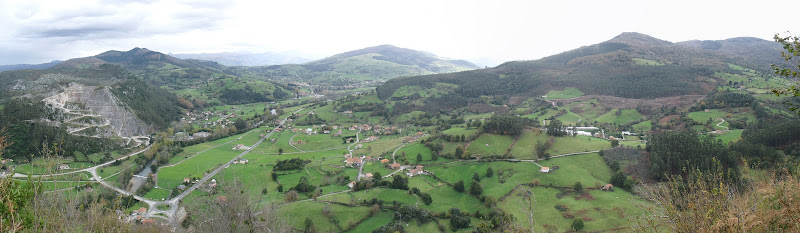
[545, 170]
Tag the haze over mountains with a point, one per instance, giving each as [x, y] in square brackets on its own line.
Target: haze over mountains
[29, 66]
[248, 58]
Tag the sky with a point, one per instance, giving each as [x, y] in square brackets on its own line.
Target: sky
[491, 32]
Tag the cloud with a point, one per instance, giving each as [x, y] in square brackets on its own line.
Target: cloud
[117, 19]
[500, 30]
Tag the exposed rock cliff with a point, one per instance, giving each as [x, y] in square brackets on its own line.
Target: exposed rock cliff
[94, 111]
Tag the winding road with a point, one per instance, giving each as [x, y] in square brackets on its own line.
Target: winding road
[153, 210]
[722, 121]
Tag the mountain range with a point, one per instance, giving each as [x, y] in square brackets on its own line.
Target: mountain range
[373, 64]
[248, 59]
[631, 65]
[29, 66]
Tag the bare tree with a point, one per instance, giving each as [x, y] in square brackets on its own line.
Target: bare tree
[232, 212]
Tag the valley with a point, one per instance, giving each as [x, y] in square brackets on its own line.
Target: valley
[387, 139]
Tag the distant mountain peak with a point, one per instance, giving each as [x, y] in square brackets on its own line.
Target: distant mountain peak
[635, 38]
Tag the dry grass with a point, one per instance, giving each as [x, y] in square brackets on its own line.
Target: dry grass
[706, 203]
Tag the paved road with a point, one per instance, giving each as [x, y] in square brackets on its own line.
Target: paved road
[350, 151]
[719, 124]
[552, 157]
[173, 203]
[292, 145]
[395, 151]
[20, 175]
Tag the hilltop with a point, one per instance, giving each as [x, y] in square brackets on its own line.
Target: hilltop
[203, 83]
[372, 64]
[88, 110]
[628, 66]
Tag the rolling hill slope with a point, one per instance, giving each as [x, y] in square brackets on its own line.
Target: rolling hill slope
[373, 64]
[88, 110]
[204, 83]
[631, 65]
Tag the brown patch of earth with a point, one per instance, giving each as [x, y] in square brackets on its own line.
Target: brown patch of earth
[666, 119]
[682, 101]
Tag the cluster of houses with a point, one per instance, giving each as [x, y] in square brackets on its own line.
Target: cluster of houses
[189, 181]
[377, 129]
[355, 161]
[370, 139]
[204, 118]
[181, 136]
[413, 138]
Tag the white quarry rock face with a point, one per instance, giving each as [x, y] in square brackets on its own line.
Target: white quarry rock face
[94, 111]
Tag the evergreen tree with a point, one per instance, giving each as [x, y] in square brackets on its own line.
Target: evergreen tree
[459, 186]
[555, 128]
[475, 189]
[577, 224]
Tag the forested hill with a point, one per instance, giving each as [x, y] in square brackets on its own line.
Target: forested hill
[631, 65]
[87, 110]
[377, 63]
[209, 82]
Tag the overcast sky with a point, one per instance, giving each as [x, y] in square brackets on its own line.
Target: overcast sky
[40, 31]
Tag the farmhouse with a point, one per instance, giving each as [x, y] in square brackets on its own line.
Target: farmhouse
[545, 170]
[395, 166]
[608, 187]
[241, 161]
[352, 161]
[384, 161]
[371, 138]
[368, 176]
[417, 171]
[140, 211]
[187, 180]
